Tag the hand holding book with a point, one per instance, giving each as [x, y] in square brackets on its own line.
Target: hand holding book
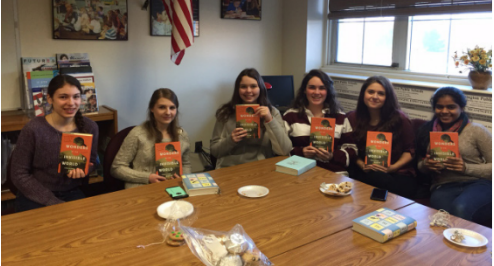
[323, 155]
[154, 178]
[374, 167]
[78, 172]
[238, 134]
[455, 164]
[433, 165]
[380, 168]
[264, 113]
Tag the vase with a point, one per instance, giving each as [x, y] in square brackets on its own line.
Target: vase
[480, 80]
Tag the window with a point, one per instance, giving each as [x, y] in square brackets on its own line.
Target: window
[429, 42]
[434, 39]
[365, 41]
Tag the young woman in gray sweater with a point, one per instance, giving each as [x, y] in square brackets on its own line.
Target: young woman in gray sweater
[135, 161]
[229, 144]
[462, 186]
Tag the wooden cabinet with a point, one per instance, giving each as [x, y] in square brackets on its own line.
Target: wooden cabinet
[106, 118]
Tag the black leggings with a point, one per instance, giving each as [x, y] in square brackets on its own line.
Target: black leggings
[403, 185]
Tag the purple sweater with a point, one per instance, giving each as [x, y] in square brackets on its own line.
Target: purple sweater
[405, 142]
[35, 161]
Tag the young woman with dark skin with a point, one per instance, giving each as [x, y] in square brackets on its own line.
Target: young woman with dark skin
[462, 186]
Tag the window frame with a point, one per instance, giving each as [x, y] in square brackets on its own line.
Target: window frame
[400, 55]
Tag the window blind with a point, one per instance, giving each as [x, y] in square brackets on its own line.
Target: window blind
[340, 9]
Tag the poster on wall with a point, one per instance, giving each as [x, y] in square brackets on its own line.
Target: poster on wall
[415, 100]
[160, 23]
[90, 19]
[241, 9]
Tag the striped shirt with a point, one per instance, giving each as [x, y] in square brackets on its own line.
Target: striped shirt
[298, 128]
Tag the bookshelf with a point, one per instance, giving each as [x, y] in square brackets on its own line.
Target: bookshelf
[106, 118]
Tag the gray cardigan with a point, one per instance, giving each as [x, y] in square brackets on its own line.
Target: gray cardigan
[273, 140]
[138, 150]
[475, 146]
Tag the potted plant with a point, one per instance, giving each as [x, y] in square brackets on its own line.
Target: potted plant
[479, 61]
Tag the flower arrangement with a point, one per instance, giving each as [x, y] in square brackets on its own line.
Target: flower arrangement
[477, 59]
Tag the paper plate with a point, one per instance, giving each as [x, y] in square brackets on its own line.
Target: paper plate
[175, 209]
[253, 191]
[324, 189]
[472, 239]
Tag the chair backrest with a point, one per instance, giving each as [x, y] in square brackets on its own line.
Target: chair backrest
[424, 180]
[416, 124]
[111, 183]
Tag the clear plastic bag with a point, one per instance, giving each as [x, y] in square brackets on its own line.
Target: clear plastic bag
[215, 248]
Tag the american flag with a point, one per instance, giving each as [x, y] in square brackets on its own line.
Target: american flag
[180, 14]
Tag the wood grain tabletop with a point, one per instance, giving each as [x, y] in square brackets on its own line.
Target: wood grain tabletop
[105, 229]
[425, 245]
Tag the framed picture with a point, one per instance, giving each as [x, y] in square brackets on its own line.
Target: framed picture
[90, 19]
[241, 9]
[160, 23]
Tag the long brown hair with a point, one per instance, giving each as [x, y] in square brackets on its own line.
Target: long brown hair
[389, 118]
[228, 109]
[300, 102]
[60, 81]
[150, 123]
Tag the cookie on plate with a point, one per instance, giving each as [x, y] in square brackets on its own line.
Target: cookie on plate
[345, 187]
[332, 188]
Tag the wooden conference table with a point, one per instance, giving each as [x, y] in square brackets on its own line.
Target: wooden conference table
[295, 224]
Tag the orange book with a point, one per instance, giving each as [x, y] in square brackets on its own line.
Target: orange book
[378, 148]
[322, 133]
[75, 152]
[247, 119]
[168, 159]
[444, 145]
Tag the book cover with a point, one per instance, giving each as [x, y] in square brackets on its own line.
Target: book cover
[75, 70]
[75, 152]
[39, 82]
[322, 133]
[83, 77]
[74, 64]
[444, 145]
[72, 57]
[89, 99]
[33, 64]
[383, 224]
[168, 158]
[295, 165]
[247, 119]
[378, 148]
[38, 64]
[41, 74]
[39, 106]
[199, 184]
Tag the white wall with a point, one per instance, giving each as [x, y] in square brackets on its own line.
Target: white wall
[11, 92]
[304, 26]
[294, 39]
[127, 72]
